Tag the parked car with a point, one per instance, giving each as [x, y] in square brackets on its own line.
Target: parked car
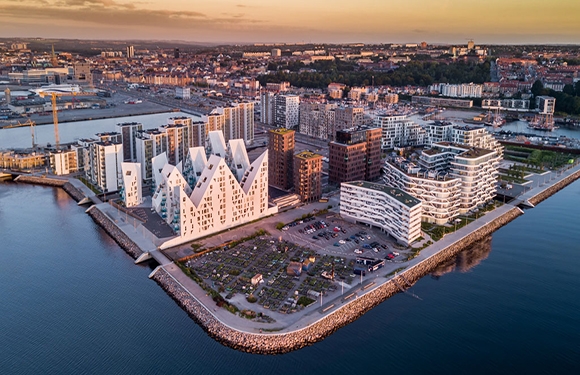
[396, 253]
[342, 242]
[336, 244]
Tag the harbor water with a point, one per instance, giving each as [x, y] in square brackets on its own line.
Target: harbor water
[73, 302]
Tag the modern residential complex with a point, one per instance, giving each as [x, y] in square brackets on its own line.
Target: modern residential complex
[355, 155]
[399, 131]
[267, 106]
[129, 131]
[226, 192]
[64, 162]
[280, 157]
[475, 167]
[438, 191]
[317, 119]
[308, 176]
[388, 208]
[131, 188]
[103, 165]
[463, 90]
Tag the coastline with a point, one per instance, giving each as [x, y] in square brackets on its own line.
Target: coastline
[283, 342]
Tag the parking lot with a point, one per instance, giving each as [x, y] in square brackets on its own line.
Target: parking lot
[330, 235]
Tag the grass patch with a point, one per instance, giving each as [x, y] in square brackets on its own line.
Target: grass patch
[305, 301]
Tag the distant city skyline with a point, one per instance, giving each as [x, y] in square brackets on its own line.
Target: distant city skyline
[339, 21]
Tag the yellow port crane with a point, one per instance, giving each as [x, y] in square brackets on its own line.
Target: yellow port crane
[32, 124]
[53, 95]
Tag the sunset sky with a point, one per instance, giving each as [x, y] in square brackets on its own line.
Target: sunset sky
[230, 21]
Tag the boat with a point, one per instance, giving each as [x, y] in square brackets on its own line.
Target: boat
[496, 120]
[544, 122]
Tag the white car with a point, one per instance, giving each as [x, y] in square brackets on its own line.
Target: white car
[396, 253]
[342, 242]
[286, 228]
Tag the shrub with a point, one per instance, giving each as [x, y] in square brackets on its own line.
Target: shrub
[279, 226]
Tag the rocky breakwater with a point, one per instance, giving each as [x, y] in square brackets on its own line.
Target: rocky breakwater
[75, 193]
[40, 180]
[277, 343]
[116, 234]
[554, 188]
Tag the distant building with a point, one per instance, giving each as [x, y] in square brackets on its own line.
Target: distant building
[521, 105]
[443, 102]
[238, 121]
[267, 108]
[317, 120]
[276, 52]
[104, 165]
[150, 143]
[131, 187]
[183, 92]
[387, 208]
[286, 111]
[130, 52]
[280, 157]
[545, 104]
[462, 90]
[21, 160]
[355, 155]
[308, 176]
[82, 73]
[348, 117]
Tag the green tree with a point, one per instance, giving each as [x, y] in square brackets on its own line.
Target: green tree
[537, 88]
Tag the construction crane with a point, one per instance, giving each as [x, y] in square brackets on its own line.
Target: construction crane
[53, 95]
[32, 124]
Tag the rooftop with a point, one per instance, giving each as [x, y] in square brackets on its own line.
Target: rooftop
[398, 194]
[308, 155]
[282, 131]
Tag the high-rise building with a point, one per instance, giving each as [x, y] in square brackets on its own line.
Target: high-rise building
[394, 211]
[64, 162]
[317, 120]
[355, 155]
[348, 117]
[178, 137]
[104, 165]
[308, 176]
[150, 143]
[238, 121]
[176, 53]
[7, 96]
[129, 131]
[276, 52]
[267, 107]
[280, 157]
[130, 52]
[286, 111]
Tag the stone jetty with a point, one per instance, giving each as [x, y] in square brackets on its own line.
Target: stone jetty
[277, 343]
[113, 230]
[554, 188]
[75, 193]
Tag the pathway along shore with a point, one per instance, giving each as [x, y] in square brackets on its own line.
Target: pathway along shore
[278, 342]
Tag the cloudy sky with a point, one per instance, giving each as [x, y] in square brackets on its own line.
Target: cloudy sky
[230, 21]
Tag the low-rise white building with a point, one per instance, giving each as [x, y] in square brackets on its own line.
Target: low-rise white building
[131, 189]
[388, 208]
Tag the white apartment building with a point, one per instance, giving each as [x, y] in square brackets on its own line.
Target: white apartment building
[267, 108]
[388, 208]
[439, 193]
[476, 136]
[131, 188]
[438, 131]
[545, 104]
[64, 162]
[475, 167]
[104, 165]
[399, 131]
[520, 105]
[463, 90]
[286, 111]
[226, 190]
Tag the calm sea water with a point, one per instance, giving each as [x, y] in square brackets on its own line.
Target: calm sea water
[72, 302]
[72, 131]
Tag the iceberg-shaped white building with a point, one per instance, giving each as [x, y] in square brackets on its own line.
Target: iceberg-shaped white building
[217, 188]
